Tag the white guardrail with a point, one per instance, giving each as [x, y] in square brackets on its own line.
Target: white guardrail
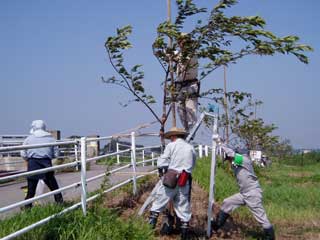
[80, 146]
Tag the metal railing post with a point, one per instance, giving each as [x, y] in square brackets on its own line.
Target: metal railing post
[118, 155]
[83, 175]
[215, 137]
[152, 156]
[133, 162]
[143, 158]
[1, 143]
[76, 155]
[206, 150]
[200, 151]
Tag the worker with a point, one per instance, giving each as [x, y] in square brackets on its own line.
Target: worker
[175, 166]
[250, 193]
[39, 158]
[187, 84]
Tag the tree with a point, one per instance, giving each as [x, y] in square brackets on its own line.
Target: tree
[282, 149]
[213, 41]
[256, 135]
[245, 131]
[238, 108]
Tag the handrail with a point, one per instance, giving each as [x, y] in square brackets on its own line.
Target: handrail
[146, 161]
[148, 147]
[39, 223]
[23, 147]
[107, 155]
[148, 135]
[98, 139]
[30, 200]
[34, 172]
[116, 186]
[106, 173]
[84, 179]
[8, 163]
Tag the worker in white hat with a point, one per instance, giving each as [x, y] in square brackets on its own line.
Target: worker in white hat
[39, 158]
[250, 193]
[175, 167]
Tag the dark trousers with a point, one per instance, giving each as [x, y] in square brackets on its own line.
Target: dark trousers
[50, 181]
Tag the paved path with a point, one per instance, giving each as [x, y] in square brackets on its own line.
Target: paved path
[13, 192]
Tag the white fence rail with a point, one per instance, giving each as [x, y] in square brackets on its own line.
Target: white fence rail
[82, 145]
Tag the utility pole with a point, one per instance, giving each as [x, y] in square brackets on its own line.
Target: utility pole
[173, 105]
[255, 110]
[226, 104]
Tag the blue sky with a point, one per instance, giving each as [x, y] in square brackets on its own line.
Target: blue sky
[52, 57]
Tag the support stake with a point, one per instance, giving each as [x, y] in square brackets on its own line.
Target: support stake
[133, 162]
[83, 175]
[212, 175]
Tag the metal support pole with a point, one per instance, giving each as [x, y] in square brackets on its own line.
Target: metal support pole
[206, 150]
[118, 155]
[152, 156]
[1, 143]
[76, 156]
[143, 158]
[133, 162]
[215, 137]
[200, 151]
[83, 175]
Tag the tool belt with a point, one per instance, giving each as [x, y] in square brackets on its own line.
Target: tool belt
[172, 178]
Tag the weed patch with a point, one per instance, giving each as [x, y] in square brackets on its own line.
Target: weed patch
[100, 223]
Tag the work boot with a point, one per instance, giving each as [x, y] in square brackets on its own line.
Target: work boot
[269, 234]
[177, 223]
[167, 225]
[219, 221]
[153, 218]
[58, 198]
[184, 230]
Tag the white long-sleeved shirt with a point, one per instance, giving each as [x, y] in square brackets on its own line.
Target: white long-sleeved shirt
[45, 152]
[178, 155]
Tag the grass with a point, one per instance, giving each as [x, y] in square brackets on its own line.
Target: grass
[291, 193]
[100, 223]
[301, 159]
[113, 160]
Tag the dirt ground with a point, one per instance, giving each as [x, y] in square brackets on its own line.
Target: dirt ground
[127, 206]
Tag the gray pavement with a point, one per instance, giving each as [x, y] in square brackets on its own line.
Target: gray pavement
[13, 192]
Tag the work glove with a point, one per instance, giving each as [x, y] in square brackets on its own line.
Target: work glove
[162, 171]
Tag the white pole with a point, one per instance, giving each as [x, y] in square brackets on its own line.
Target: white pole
[143, 158]
[76, 155]
[1, 143]
[215, 137]
[133, 161]
[83, 175]
[118, 156]
[206, 150]
[152, 156]
[200, 151]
